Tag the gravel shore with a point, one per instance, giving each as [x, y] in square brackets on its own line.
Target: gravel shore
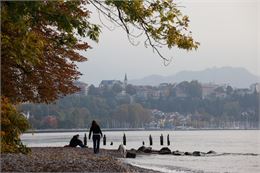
[66, 159]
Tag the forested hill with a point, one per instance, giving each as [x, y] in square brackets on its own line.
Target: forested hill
[235, 77]
[187, 103]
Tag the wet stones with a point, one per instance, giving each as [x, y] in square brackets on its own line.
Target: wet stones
[131, 154]
[188, 153]
[145, 149]
[178, 153]
[211, 152]
[198, 153]
[165, 150]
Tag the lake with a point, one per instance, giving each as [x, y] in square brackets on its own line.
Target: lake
[238, 151]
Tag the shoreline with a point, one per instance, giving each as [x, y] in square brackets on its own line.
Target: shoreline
[67, 159]
[126, 129]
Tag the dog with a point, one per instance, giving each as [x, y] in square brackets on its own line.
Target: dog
[122, 150]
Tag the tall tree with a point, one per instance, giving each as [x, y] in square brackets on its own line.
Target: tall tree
[41, 40]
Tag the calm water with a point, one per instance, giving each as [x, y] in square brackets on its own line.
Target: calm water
[238, 150]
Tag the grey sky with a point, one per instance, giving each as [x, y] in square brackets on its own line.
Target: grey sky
[228, 31]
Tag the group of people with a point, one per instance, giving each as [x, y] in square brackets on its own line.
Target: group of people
[96, 135]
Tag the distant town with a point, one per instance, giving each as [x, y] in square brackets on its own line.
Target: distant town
[184, 105]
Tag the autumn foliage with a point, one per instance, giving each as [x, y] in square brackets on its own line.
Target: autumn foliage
[40, 47]
[13, 124]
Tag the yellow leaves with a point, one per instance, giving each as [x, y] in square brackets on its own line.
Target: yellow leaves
[12, 125]
[10, 117]
[5, 122]
[19, 43]
[32, 48]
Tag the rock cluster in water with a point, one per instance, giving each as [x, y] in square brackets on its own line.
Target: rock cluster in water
[166, 150]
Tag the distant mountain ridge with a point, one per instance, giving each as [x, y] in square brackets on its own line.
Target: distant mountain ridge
[234, 76]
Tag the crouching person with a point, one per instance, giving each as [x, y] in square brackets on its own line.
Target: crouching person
[75, 141]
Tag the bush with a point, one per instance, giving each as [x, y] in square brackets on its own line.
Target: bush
[13, 124]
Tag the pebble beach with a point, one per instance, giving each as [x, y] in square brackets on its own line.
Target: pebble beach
[67, 159]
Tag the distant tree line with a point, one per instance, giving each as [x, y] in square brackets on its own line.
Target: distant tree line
[76, 111]
[119, 107]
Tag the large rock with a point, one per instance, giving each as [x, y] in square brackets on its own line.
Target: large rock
[141, 148]
[145, 149]
[148, 150]
[211, 152]
[188, 153]
[130, 154]
[133, 150]
[165, 150]
[196, 153]
[122, 150]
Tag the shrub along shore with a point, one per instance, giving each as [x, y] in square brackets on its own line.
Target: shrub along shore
[66, 159]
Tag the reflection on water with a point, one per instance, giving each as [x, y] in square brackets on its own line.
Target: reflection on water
[238, 142]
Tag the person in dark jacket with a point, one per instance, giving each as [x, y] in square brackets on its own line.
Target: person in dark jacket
[97, 134]
[75, 141]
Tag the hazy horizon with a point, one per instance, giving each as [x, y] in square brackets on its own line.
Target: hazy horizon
[230, 38]
[121, 78]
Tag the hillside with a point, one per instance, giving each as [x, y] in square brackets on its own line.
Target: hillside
[236, 77]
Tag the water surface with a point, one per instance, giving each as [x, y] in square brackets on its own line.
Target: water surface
[238, 151]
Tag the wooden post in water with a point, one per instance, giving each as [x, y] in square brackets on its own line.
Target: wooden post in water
[124, 140]
[85, 140]
[161, 139]
[168, 140]
[151, 140]
[104, 140]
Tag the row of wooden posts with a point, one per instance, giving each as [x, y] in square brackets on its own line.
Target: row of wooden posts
[124, 140]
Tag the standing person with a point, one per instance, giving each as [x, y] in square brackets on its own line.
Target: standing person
[97, 133]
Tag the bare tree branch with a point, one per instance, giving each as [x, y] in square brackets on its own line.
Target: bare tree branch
[156, 42]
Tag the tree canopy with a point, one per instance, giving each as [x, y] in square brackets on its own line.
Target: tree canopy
[41, 40]
[40, 47]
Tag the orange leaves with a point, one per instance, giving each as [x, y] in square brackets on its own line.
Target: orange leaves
[38, 62]
[82, 46]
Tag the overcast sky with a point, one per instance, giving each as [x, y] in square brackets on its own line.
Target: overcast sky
[228, 31]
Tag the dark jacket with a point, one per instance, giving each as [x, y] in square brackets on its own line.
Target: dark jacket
[75, 141]
[95, 129]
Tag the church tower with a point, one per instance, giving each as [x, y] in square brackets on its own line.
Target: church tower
[125, 81]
